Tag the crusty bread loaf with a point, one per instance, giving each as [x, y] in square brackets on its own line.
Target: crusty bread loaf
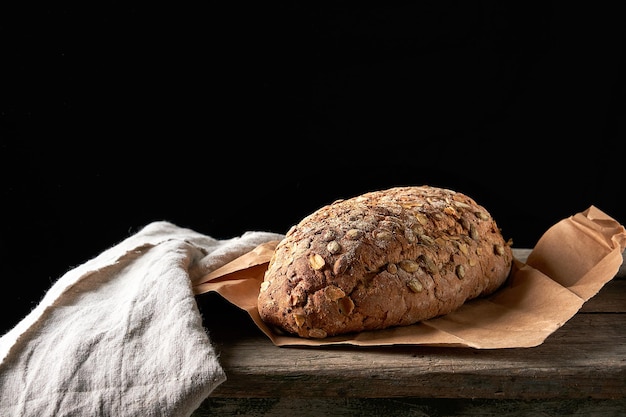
[385, 258]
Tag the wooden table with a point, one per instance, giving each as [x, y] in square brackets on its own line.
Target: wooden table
[579, 370]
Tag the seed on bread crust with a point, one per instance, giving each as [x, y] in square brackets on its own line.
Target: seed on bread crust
[381, 259]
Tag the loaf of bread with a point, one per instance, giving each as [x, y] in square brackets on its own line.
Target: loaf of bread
[386, 258]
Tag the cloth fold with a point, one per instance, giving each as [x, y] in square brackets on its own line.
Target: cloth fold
[121, 334]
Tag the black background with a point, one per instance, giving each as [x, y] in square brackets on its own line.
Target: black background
[238, 117]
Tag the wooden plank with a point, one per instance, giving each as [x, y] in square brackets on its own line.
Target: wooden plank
[583, 359]
[578, 370]
[390, 407]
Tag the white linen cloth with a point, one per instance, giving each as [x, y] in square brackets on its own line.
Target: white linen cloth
[121, 335]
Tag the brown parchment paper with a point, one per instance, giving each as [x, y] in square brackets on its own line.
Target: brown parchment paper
[569, 265]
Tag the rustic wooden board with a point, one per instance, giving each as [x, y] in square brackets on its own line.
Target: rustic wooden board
[421, 407]
[579, 370]
[582, 359]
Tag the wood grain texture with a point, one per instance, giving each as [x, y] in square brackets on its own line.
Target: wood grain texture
[583, 359]
[419, 407]
[579, 370]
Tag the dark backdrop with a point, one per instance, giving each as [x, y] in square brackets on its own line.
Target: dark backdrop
[237, 117]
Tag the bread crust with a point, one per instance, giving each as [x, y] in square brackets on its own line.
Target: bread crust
[385, 258]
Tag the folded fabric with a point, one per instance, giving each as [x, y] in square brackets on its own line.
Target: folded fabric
[121, 335]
